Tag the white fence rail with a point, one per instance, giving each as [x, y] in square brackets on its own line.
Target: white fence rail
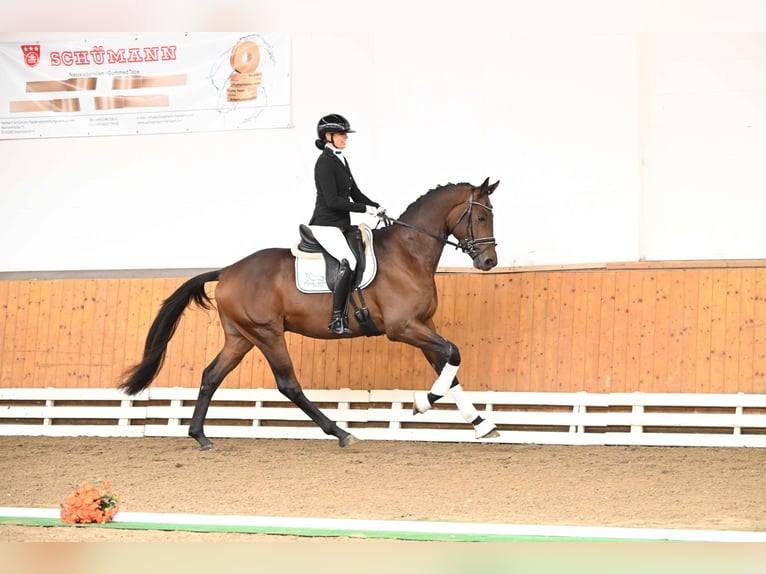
[541, 418]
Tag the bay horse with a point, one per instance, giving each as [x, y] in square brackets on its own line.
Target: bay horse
[258, 301]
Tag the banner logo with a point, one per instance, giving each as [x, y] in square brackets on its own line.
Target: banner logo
[131, 84]
[31, 54]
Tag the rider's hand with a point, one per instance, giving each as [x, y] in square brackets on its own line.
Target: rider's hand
[376, 211]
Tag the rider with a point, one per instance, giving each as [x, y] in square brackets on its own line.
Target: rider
[337, 196]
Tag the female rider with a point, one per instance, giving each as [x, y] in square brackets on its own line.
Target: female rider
[337, 196]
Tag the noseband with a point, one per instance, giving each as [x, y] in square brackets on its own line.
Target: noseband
[469, 246]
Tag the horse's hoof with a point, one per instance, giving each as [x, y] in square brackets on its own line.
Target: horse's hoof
[347, 440]
[491, 434]
[203, 441]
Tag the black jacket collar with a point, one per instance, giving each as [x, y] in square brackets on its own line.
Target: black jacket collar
[328, 151]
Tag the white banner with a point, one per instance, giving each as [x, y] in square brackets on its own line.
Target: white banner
[144, 84]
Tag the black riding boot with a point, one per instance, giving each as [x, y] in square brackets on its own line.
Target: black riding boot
[339, 321]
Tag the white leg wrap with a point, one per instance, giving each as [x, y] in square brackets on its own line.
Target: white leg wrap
[470, 413]
[465, 406]
[444, 382]
[484, 428]
[421, 403]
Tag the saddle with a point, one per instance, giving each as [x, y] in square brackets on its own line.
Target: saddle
[313, 265]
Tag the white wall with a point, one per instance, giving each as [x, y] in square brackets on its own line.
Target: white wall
[615, 136]
[706, 156]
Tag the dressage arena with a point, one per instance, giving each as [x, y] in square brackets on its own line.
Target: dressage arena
[712, 488]
[599, 300]
[626, 487]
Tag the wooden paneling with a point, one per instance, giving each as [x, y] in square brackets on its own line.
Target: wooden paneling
[620, 328]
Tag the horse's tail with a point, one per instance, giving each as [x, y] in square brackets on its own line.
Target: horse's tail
[138, 377]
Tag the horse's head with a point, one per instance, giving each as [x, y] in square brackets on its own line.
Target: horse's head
[474, 226]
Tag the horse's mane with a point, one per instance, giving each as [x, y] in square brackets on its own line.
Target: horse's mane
[418, 203]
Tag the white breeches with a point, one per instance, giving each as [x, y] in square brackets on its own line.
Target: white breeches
[333, 240]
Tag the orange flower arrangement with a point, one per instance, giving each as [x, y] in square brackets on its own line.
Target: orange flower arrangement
[90, 503]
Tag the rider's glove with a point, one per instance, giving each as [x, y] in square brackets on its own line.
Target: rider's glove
[376, 211]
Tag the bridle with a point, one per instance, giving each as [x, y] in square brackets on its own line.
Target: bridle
[469, 246]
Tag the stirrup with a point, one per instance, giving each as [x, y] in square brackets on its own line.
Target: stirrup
[338, 325]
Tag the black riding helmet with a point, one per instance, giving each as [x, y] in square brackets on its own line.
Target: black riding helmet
[331, 124]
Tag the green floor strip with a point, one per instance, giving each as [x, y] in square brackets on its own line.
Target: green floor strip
[310, 532]
[379, 529]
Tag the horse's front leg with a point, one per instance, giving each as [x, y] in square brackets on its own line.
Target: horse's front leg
[425, 401]
[444, 357]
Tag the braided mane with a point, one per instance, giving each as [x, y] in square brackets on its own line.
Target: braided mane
[420, 201]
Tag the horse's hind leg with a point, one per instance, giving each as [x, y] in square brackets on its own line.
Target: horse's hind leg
[274, 349]
[234, 349]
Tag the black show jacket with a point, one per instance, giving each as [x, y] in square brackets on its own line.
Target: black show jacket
[337, 192]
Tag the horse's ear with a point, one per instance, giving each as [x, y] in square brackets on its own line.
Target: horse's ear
[486, 188]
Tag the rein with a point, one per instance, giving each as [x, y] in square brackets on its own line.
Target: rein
[469, 245]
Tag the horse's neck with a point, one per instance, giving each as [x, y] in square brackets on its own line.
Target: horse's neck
[432, 215]
[422, 229]
[419, 251]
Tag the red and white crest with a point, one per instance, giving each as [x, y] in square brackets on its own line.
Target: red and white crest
[31, 54]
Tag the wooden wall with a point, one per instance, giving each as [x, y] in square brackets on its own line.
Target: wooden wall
[670, 327]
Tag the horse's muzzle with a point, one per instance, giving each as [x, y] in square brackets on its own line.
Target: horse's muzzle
[486, 258]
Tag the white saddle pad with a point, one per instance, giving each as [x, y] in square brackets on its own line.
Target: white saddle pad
[310, 267]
